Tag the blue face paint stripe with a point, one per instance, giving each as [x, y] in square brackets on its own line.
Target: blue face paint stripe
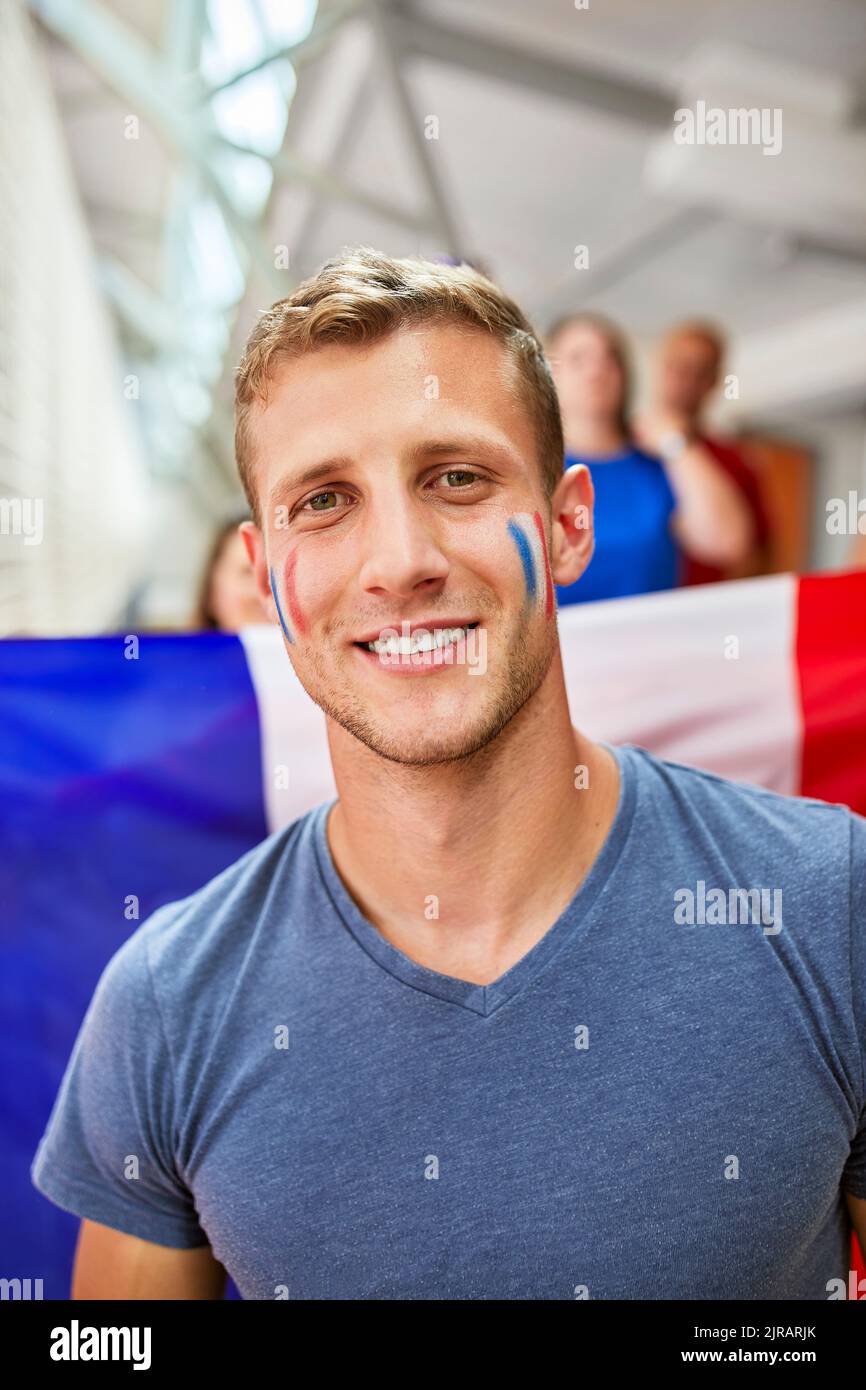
[525, 551]
[289, 637]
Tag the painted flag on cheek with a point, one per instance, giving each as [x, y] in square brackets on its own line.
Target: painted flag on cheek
[128, 783]
[288, 608]
[527, 531]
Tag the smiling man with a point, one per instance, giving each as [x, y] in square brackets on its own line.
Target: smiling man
[451, 1035]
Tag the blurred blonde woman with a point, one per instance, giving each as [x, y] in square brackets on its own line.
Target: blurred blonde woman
[227, 598]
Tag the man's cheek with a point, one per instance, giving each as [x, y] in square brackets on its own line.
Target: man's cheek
[312, 591]
[526, 530]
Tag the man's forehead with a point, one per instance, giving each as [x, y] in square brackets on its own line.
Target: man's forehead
[427, 363]
[407, 349]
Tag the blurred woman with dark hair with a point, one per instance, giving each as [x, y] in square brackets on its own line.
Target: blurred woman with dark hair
[228, 599]
[649, 506]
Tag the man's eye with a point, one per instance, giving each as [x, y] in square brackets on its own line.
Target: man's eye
[465, 478]
[318, 501]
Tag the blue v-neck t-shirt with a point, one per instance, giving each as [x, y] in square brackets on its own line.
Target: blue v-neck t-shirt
[663, 1099]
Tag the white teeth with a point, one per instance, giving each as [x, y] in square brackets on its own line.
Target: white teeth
[425, 640]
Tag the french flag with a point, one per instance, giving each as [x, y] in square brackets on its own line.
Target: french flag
[130, 775]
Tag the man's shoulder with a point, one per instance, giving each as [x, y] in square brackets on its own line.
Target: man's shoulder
[205, 930]
[738, 812]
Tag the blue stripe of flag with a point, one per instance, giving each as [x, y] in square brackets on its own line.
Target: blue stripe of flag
[117, 777]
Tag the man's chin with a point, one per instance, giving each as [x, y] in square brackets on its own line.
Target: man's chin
[418, 743]
[435, 734]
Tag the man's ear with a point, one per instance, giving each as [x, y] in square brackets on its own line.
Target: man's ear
[255, 544]
[573, 538]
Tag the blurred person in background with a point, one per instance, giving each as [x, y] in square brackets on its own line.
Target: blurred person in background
[228, 599]
[654, 497]
[688, 369]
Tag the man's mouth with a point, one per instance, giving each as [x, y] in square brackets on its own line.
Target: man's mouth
[420, 639]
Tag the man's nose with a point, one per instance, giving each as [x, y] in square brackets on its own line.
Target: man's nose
[400, 548]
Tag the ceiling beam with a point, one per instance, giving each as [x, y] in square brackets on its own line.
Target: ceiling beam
[288, 165]
[390, 55]
[486, 56]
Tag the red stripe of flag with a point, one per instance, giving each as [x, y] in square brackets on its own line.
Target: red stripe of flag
[831, 669]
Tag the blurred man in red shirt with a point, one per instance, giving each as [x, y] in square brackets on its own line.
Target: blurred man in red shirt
[689, 367]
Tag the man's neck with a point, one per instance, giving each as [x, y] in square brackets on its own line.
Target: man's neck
[499, 843]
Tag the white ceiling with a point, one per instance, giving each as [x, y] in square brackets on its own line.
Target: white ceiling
[646, 38]
[528, 173]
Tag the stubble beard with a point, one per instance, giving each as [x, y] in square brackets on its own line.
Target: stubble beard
[523, 675]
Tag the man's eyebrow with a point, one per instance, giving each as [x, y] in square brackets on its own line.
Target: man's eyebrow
[463, 444]
[426, 449]
[316, 471]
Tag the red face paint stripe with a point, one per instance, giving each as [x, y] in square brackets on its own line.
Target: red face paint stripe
[548, 581]
[291, 596]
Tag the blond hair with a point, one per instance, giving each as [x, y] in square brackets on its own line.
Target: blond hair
[362, 295]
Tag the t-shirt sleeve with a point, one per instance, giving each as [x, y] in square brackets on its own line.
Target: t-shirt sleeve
[107, 1151]
[854, 1172]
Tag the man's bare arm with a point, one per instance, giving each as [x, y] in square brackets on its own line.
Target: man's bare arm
[111, 1264]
